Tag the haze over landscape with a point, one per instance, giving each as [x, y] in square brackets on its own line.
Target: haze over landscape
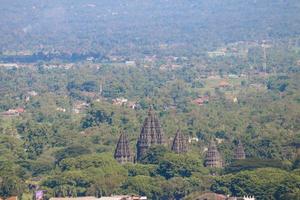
[102, 25]
[151, 99]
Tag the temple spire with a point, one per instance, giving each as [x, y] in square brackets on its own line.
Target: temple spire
[122, 152]
[150, 111]
[179, 143]
[151, 134]
[213, 157]
[239, 153]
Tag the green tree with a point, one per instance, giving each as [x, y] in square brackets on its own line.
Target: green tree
[289, 188]
[154, 154]
[144, 185]
[184, 165]
[71, 151]
[10, 182]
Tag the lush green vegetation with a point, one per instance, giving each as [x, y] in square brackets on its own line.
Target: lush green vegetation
[264, 183]
[82, 82]
[76, 29]
[70, 154]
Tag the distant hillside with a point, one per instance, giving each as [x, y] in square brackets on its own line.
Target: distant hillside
[141, 25]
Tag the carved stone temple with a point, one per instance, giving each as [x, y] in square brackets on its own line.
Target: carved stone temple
[151, 134]
[239, 153]
[179, 143]
[123, 153]
[213, 157]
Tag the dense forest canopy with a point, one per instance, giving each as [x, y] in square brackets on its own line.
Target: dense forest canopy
[142, 26]
[75, 75]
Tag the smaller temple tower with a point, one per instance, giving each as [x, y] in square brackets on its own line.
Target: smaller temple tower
[213, 157]
[239, 153]
[122, 152]
[179, 143]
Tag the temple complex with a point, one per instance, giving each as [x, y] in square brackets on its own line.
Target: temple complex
[213, 157]
[239, 153]
[179, 143]
[151, 134]
[122, 152]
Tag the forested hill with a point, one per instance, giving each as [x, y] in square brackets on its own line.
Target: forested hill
[77, 25]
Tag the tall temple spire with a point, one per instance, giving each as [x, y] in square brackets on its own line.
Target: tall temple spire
[239, 153]
[213, 157]
[151, 134]
[122, 152]
[179, 143]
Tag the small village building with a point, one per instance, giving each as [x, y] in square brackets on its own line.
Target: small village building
[213, 54]
[235, 100]
[120, 101]
[130, 63]
[74, 198]
[60, 109]
[27, 98]
[201, 100]
[123, 197]
[193, 139]
[211, 196]
[13, 112]
[90, 59]
[32, 93]
[224, 84]
[116, 197]
[79, 106]
[215, 196]
[198, 101]
[11, 198]
[9, 65]
[233, 76]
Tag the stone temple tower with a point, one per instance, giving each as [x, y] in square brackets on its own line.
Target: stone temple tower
[179, 143]
[122, 152]
[151, 134]
[239, 153]
[213, 157]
